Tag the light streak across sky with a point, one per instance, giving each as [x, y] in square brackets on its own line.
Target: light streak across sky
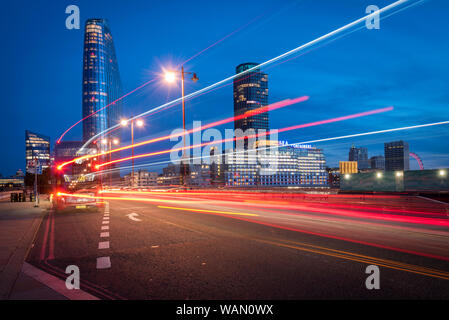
[152, 80]
[268, 62]
[261, 134]
[300, 143]
[250, 113]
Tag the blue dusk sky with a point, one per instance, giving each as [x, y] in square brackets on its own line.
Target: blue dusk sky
[403, 64]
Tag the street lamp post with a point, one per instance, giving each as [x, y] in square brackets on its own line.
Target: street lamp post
[139, 123]
[170, 77]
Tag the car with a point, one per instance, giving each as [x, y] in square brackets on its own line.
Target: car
[75, 201]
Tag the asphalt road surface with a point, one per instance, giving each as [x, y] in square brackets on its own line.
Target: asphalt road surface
[225, 245]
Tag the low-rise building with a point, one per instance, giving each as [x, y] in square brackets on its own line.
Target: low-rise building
[283, 166]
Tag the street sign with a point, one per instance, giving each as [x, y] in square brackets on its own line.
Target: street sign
[33, 166]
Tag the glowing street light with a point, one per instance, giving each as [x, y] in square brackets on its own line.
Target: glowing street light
[399, 173]
[124, 123]
[170, 77]
[442, 173]
[139, 123]
[379, 175]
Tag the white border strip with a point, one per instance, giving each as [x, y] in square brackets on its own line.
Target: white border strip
[55, 283]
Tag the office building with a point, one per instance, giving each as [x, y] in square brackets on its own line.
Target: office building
[287, 166]
[359, 154]
[142, 178]
[37, 148]
[66, 150]
[101, 79]
[377, 162]
[217, 167]
[199, 175]
[397, 156]
[348, 167]
[250, 93]
[171, 175]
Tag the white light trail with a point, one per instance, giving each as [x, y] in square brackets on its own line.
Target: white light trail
[284, 55]
[294, 144]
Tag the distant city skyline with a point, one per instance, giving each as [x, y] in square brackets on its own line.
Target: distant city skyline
[373, 75]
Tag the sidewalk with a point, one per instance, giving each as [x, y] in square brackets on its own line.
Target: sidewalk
[19, 223]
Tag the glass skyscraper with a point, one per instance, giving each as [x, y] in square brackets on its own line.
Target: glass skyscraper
[37, 147]
[101, 79]
[250, 92]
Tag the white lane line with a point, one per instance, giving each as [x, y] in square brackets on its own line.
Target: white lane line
[106, 215]
[103, 263]
[103, 245]
[56, 284]
[104, 227]
[105, 218]
[105, 222]
[104, 235]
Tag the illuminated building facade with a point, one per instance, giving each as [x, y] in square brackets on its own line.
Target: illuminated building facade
[101, 79]
[347, 167]
[217, 167]
[250, 92]
[37, 147]
[296, 166]
[142, 178]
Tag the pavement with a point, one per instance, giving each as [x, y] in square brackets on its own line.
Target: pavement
[243, 246]
[19, 223]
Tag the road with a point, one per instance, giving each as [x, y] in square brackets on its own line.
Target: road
[227, 245]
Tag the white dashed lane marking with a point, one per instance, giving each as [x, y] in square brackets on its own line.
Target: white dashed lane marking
[103, 263]
[103, 245]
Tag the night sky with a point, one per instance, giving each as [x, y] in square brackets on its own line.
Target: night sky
[404, 64]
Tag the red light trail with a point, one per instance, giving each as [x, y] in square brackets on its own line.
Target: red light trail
[316, 123]
[268, 62]
[152, 80]
[256, 218]
[271, 107]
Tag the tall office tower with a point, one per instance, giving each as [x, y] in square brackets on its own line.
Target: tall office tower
[37, 148]
[250, 92]
[101, 79]
[360, 155]
[397, 156]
